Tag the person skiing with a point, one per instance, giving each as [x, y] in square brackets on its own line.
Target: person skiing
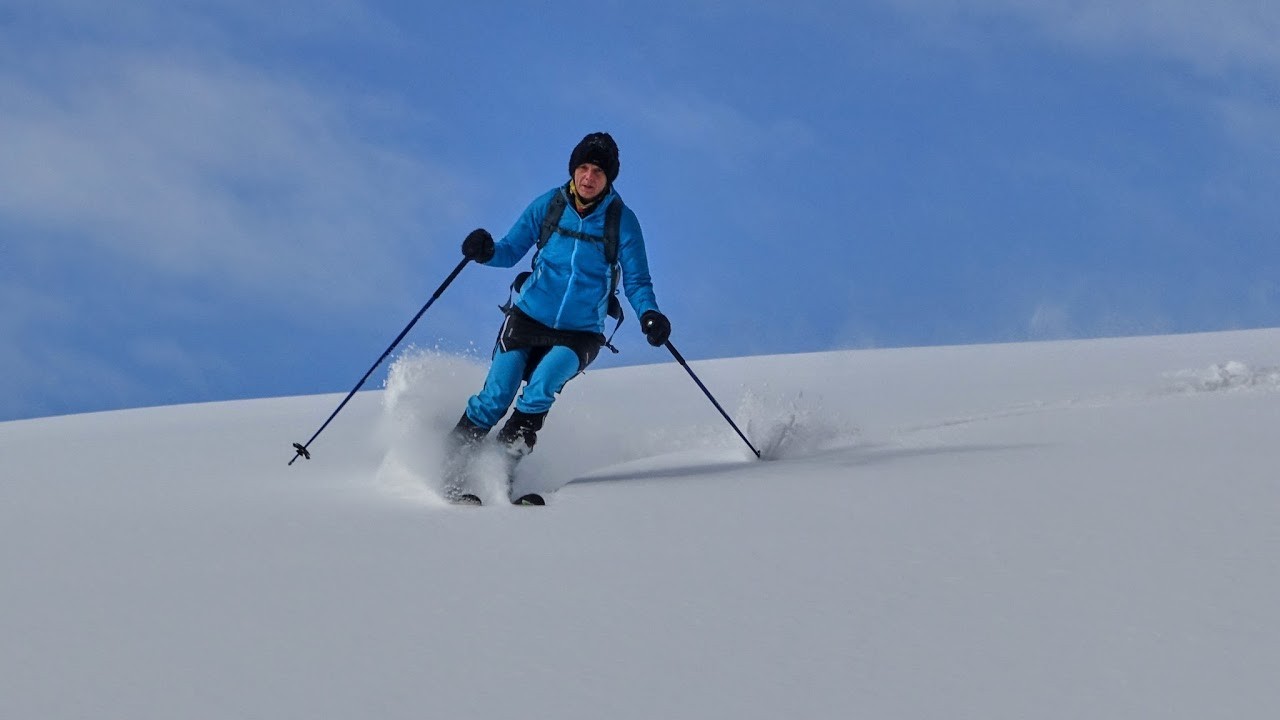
[554, 325]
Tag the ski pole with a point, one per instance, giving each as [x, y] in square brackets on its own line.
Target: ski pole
[301, 448]
[680, 359]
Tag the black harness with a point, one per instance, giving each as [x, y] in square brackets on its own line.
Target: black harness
[521, 331]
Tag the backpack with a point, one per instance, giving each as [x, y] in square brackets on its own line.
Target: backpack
[612, 225]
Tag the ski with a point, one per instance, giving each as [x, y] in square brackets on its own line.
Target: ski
[469, 499]
[461, 449]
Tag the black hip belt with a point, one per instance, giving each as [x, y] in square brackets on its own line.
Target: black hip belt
[521, 331]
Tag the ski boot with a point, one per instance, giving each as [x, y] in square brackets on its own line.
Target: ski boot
[459, 445]
[517, 439]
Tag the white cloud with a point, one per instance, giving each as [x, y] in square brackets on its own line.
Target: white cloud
[183, 162]
[202, 23]
[206, 169]
[160, 162]
[1211, 37]
[1220, 57]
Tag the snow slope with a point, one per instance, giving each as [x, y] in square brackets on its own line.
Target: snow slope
[1053, 530]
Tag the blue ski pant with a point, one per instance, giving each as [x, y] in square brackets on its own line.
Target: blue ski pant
[507, 372]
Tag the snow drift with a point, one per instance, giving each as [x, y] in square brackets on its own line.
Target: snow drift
[1050, 530]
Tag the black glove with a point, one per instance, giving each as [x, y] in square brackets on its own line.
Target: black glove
[478, 246]
[656, 327]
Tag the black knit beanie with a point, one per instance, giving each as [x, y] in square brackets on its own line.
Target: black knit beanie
[599, 149]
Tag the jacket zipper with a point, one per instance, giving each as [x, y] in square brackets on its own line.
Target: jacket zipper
[573, 272]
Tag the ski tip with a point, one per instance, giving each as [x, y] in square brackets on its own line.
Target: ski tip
[466, 499]
[529, 499]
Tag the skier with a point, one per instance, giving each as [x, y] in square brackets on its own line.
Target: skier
[554, 325]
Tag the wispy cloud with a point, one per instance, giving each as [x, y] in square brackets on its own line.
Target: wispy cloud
[38, 377]
[718, 130]
[205, 170]
[1213, 38]
[192, 164]
[161, 177]
[1230, 45]
[198, 24]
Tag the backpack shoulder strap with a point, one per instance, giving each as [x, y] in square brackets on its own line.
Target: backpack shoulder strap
[612, 229]
[551, 222]
[612, 233]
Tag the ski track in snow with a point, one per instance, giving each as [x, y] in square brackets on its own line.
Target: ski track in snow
[426, 389]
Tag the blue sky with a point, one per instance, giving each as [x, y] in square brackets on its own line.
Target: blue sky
[217, 200]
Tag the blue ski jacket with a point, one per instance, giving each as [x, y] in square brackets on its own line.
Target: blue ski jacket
[569, 287]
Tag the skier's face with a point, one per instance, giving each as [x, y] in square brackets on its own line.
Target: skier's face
[589, 180]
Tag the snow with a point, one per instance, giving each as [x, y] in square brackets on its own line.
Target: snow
[1048, 530]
